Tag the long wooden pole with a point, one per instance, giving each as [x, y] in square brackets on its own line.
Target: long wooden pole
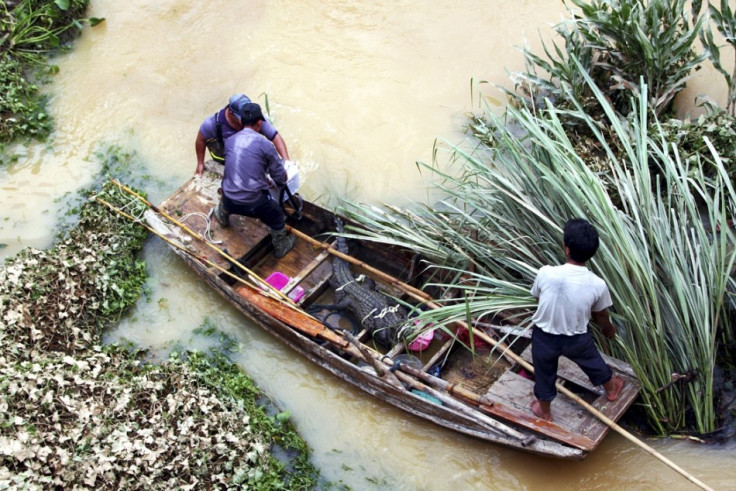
[184, 250]
[202, 239]
[427, 300]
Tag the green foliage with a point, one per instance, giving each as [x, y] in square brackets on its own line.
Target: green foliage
[619, 43]
[107, 418]
[170, 425]
[692, 139]
[231, 383]
[666, 266]
[33, 27]
[31, 30]
[60, 299]
[22, 111]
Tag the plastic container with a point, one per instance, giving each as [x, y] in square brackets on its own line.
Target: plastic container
[279, 280]
[422, 341]
[292, 180]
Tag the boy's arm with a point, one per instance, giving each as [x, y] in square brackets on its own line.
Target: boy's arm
[604, 322]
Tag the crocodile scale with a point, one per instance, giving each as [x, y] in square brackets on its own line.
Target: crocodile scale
[377, 313]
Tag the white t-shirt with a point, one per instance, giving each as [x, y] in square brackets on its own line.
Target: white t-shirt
[567, 295]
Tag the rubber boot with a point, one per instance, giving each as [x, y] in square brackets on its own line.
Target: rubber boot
[222, 216]
[282, 241]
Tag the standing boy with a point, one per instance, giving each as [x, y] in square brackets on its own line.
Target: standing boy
[569, 295]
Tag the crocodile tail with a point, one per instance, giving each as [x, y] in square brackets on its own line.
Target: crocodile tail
[342, 244]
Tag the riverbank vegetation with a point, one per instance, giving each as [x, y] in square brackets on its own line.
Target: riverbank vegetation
[75, 413]
[591, 132]
[30, 31]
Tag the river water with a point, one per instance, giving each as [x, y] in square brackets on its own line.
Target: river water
[360, 91]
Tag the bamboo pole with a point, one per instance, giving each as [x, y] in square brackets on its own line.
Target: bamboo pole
[427, 300]
[184, 249]
[199, 237]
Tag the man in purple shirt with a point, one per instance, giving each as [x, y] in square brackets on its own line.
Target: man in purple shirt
[252, 167]
[222, 125]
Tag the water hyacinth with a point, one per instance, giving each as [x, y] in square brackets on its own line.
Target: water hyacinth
[666, 255]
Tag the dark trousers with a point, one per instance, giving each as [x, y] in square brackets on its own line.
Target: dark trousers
[580, 348]
[266, 209]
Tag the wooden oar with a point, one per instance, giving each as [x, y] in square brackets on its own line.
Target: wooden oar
[427, 300]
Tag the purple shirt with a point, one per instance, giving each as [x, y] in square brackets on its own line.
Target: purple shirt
[249, 158]
[209, 130]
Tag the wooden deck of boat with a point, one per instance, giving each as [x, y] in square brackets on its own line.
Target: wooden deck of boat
[517, 391]
[198, 196]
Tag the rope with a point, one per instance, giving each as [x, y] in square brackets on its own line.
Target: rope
[207, 234]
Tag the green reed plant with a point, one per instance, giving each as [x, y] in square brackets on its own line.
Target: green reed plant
[666, 257]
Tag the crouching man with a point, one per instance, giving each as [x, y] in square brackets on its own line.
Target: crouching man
[250, 159]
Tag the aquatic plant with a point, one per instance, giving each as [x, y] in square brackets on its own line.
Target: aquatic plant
[666, 256]
[31, 30]
[79, 415]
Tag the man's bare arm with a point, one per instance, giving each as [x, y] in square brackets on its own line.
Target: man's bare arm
[604, 322]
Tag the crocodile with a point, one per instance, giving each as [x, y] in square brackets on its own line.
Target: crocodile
[376, 312]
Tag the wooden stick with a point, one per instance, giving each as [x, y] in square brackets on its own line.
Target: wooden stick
[427, 300]
[198, 236]
[414, 292]
[447, 399]
[182, 248]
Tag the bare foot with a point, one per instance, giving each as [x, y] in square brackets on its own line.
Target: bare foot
[614, 387]
[539, 410]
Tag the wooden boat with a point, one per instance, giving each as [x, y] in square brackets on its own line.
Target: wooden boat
[449, 387]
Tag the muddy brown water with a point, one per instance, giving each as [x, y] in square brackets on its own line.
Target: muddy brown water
[360, 91]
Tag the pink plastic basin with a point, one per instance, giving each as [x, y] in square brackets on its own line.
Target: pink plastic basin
[279, 280]
[422, 341]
